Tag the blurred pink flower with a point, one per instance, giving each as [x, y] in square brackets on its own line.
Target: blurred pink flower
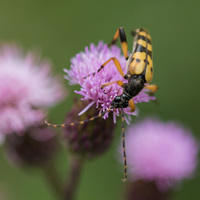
[160, 152]
[88, 62]
[26, 88]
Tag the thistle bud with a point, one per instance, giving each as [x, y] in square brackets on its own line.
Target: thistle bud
[91, 138]
[35, 147]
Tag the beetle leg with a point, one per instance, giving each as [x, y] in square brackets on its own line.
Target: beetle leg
[120, 33]
[120, 83]
[124, 147]
[152, 88]
[132, 105]
[117, 65]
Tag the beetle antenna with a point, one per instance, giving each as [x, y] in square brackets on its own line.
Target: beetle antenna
[80, 122]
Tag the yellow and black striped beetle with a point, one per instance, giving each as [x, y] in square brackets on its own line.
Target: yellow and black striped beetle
[139, 67]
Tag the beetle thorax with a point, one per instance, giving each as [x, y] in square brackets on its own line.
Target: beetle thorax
[120, 101]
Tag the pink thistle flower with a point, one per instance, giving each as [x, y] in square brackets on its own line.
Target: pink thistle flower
[88, 62]
[160, 152]
[26, 88]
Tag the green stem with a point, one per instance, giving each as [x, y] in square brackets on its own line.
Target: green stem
[52, 178]
[76, 165]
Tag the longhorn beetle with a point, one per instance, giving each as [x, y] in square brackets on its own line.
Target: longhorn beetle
[139, 67]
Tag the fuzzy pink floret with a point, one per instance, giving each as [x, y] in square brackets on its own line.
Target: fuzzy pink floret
[26, 86]
[88, 62]
[161, 152]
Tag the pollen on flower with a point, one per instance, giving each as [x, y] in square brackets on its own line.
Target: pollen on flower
[26, 88]
[161, 152]
[87, 63]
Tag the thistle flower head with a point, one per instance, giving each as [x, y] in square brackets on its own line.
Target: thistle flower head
[161, 152]
[26, 88]
[88, 62]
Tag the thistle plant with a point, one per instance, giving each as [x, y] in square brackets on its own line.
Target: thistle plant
[88, 140]
[84, 64]
[160, 154]
[27, 90]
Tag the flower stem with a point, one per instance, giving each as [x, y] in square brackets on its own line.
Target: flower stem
[52, 178]
[76, 164]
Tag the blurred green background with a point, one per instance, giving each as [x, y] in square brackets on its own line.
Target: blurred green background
[60, 29]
